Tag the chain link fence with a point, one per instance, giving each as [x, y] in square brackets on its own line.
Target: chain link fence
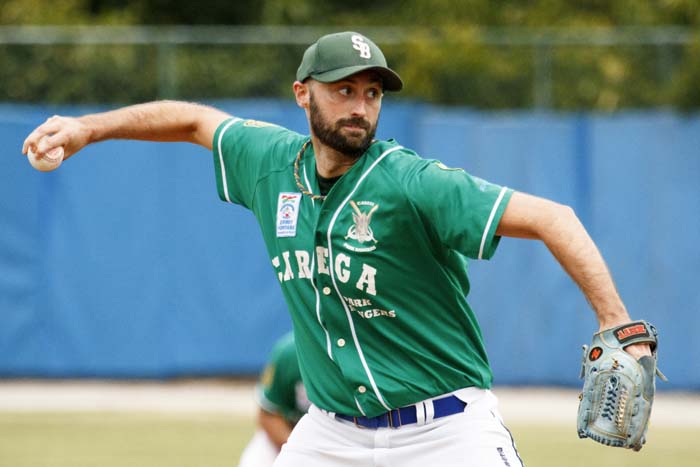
[560, 69]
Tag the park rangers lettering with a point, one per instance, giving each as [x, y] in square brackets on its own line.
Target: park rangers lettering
[356, 303]
[296, 265]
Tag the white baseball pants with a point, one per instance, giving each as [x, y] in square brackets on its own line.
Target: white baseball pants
[476, 437]
[260, 451]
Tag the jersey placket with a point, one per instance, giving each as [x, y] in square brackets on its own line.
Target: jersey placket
[331, 308]
[349, 352]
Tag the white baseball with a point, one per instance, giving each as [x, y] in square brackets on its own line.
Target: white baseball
[48, 161]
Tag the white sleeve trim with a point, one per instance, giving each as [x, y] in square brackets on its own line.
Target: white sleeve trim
[490, 221]
[221, 157]
[265, 403]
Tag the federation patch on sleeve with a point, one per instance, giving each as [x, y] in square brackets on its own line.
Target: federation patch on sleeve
[287, 214]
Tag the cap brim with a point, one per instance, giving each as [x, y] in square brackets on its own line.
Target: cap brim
[390, 80]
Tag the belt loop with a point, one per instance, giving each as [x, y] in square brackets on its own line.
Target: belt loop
[354, 419]
[390, 418]
[429, 411]
[420, 413]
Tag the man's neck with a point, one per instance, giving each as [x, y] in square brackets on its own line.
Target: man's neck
[329, 162]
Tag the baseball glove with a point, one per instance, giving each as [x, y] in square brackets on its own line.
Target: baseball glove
[618, 390]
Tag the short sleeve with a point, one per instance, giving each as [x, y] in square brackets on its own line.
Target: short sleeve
[244, 151]
[276, 390]
[463, 210]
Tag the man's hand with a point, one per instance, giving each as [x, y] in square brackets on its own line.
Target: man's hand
[638, 350]
[57, 131]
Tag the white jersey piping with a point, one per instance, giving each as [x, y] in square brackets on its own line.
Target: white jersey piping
[335, 285]
[488, 223]
[318, 306]
[221, 157]
[359, 407]
[318, 297]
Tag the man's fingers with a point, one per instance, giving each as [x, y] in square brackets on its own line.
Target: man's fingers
[49, 142]
[638, 350]
[51, 126]
[58, 139]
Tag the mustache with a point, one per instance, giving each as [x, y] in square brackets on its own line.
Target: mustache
[356, 121]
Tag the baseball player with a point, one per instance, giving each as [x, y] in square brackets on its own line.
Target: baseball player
[282, 399]
[369, 243]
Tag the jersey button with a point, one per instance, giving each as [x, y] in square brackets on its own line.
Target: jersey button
[362, 389]
[326, 291]
[341, 342]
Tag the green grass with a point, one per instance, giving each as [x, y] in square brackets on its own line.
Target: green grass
[560, 446]
[120, 440]
[194, 440]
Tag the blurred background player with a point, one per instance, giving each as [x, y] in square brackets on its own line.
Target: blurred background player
[282, 399]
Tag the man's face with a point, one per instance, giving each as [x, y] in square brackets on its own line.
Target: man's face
[344, 115]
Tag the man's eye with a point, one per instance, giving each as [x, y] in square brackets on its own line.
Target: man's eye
[344, 91]
[373, 93]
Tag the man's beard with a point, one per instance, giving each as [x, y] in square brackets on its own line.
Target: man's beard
[331, 136]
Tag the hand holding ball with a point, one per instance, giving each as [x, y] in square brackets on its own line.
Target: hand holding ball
[47, 161]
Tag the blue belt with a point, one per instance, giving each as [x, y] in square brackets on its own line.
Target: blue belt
[449, 405]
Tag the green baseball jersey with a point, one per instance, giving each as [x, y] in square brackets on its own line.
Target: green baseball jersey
[280, 389]
[375, 276]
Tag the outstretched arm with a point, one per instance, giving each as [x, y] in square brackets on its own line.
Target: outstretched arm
[154, 121]
[559, 228]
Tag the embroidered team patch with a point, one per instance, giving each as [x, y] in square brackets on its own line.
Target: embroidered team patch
[287, 214]
[360, 231]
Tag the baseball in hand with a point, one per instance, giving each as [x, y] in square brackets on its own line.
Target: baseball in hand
[48, 161]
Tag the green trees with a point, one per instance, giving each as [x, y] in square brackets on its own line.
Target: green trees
[593, 54]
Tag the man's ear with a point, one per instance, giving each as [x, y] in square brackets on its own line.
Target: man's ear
[302, 94]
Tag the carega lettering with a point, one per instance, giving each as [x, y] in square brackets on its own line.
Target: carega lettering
[297, 265]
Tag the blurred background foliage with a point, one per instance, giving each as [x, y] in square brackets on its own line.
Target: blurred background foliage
[492, 54]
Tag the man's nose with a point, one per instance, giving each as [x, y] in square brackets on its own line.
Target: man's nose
[359, 107]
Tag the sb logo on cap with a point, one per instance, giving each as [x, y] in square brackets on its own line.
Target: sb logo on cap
[359, 44]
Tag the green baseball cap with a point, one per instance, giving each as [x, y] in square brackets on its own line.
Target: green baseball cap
[337, 56]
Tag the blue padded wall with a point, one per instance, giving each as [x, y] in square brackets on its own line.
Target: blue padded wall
[124, 263]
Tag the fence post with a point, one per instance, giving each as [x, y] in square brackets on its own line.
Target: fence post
[167, 70]
[543, 75]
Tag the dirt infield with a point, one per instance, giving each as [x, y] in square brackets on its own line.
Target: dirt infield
[532, 405]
